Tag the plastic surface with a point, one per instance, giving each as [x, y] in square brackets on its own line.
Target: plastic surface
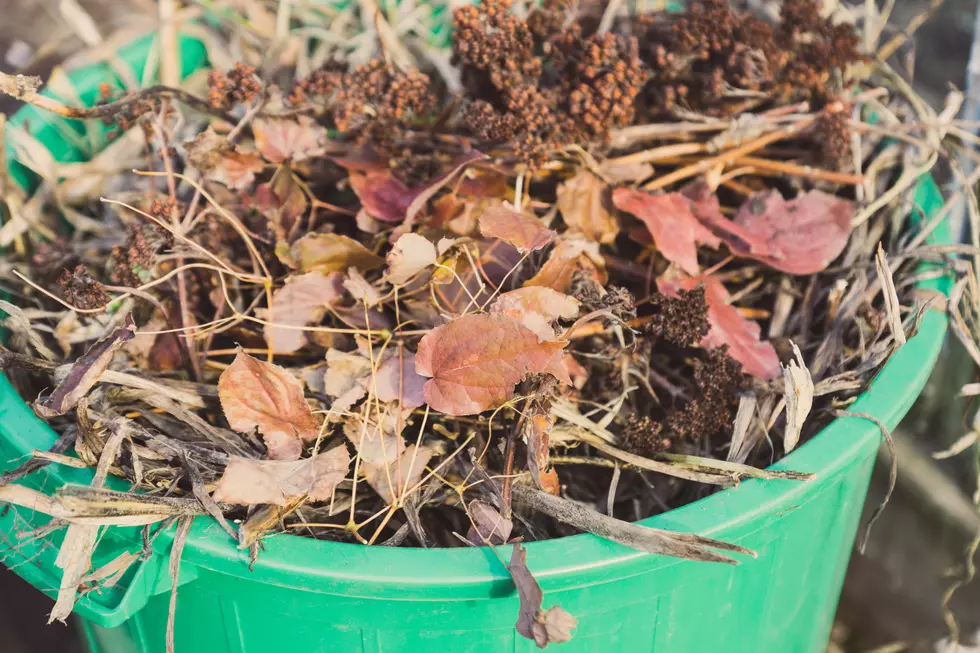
[306, 595]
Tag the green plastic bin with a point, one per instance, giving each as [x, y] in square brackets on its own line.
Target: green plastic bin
[311, 596]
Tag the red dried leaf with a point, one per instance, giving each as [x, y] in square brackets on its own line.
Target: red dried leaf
[255, 394]
[728, 327]
[801, 236]
[569, 257]
[382, 195]
[675, 229]
[280, 140]
[475, 361]
[247, 481]
[583, 203]
[525, 232]
[301, 301]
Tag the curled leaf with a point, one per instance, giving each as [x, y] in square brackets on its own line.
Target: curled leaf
[673, 225]
[570, 256]
[378, 439]
[255, 394]
[222, 162]
[301, 301]
[248, 482]
[582, 201]
[332, 253]
[533, 622]
[85, 372]
[410, 254]
[280, 140]
[476, 360]
[525, 232]
[488, 525]
[383, 196]
[799, 398]
[361, 289]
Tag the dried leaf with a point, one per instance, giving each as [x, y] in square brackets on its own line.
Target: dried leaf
[85, 372]
[583, 204]
[222, 162]
[383, 196]
[488, 525]
[533, 622]
[256, 394]
[282, 201]
[728, 327]
[799, 398]
[410, 254]
[21, 331]
[525, 232]
[424, 194]
[625, 173]
[301, 301]
[892, 305]
[537, 435]
[394, 480]
[247, 481]
[332, 253]
[800, 236]
[378, 440]
[280, 140]
[343, 379]
[397, 381]
[671, 222]
[570, 256]
[476, 360]
[361, 289]
[536, 307]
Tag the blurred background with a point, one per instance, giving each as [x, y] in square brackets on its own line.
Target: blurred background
[894, 596]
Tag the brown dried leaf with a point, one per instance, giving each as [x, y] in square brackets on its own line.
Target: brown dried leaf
[247, 481]
[301, 301]
[280, 140]
[570, 256]
[533, 622]
[476, 360]
[584, 207]
[221, 161]
[85, 372]
[488, 525]
[393, 480]
[332, 253]
[378, 440]
[673, 225]
[361, 289]
[523, 231]
[255, 394]
[423, 195]
[410, 254]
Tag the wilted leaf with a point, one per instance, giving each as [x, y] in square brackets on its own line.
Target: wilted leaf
[281, 201]
[85, 372]
[583, 204]
[332, 253]
[799, 398]
[571, 255]
[383, 196]
[393, 480]
[625, 173]
[280, 140]
[671, 222]
[800, 236]
[537, 434]
[255, 394]
[422, 195]
[361, 289]
[525, 232]
[378, 440]
[488, 525]
[728, 327]
[247, 481]
[397, 381]
[301, 301]
[343, 379]
[536, 307]
[410, 254]
[533, 622]
[476, 360]
[222, 162]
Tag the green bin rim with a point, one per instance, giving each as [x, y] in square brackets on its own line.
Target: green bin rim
[466, 573]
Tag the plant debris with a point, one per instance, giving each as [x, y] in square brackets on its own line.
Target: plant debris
[380, 295]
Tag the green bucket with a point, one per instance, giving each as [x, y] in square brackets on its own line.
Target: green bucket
[308, 595]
